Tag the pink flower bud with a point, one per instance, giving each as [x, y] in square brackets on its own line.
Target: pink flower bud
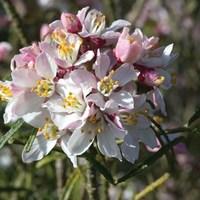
[5, 49]
[129, 47]
[71, 22]
[151, 78]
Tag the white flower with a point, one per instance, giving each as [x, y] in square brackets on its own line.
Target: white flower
[47, 138]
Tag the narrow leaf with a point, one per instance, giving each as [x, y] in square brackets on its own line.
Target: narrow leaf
[149, 161]
[10, 133]
[70, 184]
[30, 141]
[194, 117]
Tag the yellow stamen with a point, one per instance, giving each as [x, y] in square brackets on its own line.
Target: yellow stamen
[65, 49]
[49, 130]
[129, 118]
[43, 88]
[107, 84]
[71, 101]
[5, 92]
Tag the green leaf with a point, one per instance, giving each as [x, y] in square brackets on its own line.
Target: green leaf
[194, 117]
[50, 158]
[138, 168]
[10, 133]
[70, 184]
[102, 169]
[30, 141]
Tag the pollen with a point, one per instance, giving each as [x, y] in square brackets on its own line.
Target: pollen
[5, 92]
[65, 49]
[129, 118]
[58, 36]
[71, 101]
[107, 84]
[49, 130]
[159, 80]
[43, 88]
[100, 19]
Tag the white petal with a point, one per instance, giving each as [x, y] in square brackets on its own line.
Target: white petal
[79, 142]
[107, 144]
[55, 104]
[118, 24]
[36, 119]
[97, 99]
[102, 65]
[124, 74]
[39, 149]
[27, 102]
[147, 136]
[9, 115]
[46, 66]
[64, 120]
[24, 77]
[87, 56]
[63, 143]
[85, 79]
[130, 151]
[123, 99]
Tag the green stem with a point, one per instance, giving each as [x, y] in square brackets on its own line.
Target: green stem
[15, 19]
[92, 182]
[149, 161]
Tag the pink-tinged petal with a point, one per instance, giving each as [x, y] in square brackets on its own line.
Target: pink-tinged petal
[157, 99]
[9, 116]
[80, 142]
[36, 119]
[40, 148]
[56, 24]
[48, 48]
[142, 122]
[97, 99]
[147, 136]
[118, 24]
[82, 13]
[26, 78]
[63, 143]
[85, 79]
[27, 102]
[107, 144]
[87, 56]
[124, 74]
[123, 99]
[139, 100]
[46, 66]
[111, 37]
[55, 104]
[63, 120]
[130, 148]
[102, 65]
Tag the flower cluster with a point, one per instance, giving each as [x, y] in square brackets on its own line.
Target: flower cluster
[85, 83]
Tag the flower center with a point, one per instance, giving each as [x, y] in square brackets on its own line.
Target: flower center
[49, 130]
[99, 20]
[71, 101]
[107, 84]
[65, 49]
[5, 92]
[129, 118]
[43, 88]
[58, 36]
[95, 124]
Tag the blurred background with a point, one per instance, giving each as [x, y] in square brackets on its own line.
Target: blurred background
[177, 22]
